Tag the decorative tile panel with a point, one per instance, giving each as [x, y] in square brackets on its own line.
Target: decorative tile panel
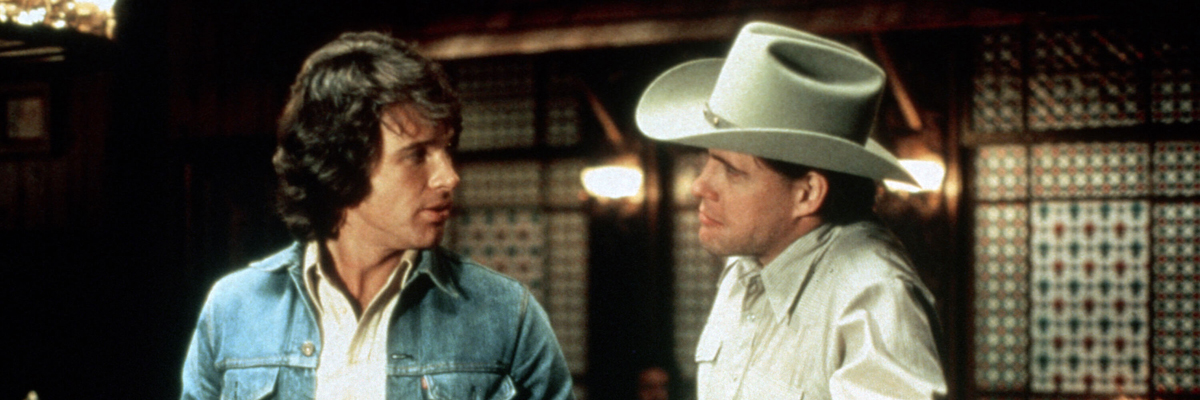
[1090, 272]
[497, 123]
[1174, 84]
[1174, 96]
[491, 79]
[1002, 172]
[997, 98]
[511, 241]
[567, 298]
[997, 104]
[1176, 301]
[562, 121]
[696, 275]
[1063, 170]
[1177, 168]
[1062, 101]
[1083, 48]
[499, 183]
[562, 109]
[498, 105]
[1002, 296]
[1085, 79]
[564, 188]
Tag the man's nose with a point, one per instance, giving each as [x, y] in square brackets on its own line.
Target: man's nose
[444, 176]
[700, 188]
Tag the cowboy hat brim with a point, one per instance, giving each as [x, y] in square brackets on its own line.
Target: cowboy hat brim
[673, 108]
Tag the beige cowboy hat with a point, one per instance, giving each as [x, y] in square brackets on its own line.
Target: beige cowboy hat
[781, 94]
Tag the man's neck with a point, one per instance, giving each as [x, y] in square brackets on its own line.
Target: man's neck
[802, 227]
[363, 269]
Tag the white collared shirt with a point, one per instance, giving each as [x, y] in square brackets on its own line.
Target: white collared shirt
[353, 361]
[842, 316]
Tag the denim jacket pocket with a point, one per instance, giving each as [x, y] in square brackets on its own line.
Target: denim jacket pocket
[249, 383]
[470, 386]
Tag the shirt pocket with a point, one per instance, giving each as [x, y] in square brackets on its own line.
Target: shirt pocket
[707, 350]
[250, 383]
[763, 386]
[709, 344]
[469, 386]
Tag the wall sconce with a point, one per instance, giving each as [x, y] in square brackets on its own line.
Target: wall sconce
[929, 176]
[612, 181]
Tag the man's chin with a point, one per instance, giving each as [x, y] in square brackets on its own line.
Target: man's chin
[713, 247]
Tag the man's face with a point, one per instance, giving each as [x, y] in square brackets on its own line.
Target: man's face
[411, 185]
[745, 207]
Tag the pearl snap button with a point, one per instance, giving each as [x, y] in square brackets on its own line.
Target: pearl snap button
[308, 348]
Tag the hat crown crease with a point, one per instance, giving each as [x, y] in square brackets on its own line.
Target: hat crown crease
[797, 83]
[780, 94]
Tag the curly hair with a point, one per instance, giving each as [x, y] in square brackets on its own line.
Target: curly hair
[329, 131]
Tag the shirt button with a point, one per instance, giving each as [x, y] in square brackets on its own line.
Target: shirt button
[308, 348]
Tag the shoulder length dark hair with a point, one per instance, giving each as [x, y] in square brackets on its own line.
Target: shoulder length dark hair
[329, 132]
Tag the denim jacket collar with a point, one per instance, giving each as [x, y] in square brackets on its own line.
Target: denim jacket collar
[435, 268]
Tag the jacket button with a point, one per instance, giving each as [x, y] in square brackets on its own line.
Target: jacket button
[308, 348]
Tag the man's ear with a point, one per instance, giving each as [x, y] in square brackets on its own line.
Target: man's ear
[809, 194]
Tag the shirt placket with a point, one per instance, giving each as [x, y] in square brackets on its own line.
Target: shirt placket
[749, 322]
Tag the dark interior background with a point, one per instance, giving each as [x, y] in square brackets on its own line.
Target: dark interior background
[159, 178]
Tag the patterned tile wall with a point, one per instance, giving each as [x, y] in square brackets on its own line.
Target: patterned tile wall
[1112, 282]
[696, 274]
[1175, 96]
[568, 284]
[498, 105]
[997, 96]
[563, 185]
[490, 124]
[509, 240]
[1177, 168]
[1176, 306]
[504, 183]
[1002, 173]
[1002, 296]
[1174, 84]
[1068, 170]
[1063, 101]
[1090, 277]
[1084, 79]
[562, 109]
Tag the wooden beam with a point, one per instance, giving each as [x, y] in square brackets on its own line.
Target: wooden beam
[484, 37]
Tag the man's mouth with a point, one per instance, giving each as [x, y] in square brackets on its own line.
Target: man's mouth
[440, 212]
[706, 220]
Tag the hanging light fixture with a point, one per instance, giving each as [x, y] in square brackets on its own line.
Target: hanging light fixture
[93, 17]
[929, 175]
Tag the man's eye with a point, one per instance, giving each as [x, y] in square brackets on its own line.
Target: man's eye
[417, 155]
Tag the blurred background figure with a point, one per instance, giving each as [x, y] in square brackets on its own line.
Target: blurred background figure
[653, 383]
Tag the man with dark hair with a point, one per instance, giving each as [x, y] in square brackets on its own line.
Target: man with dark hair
[818, 300]
[365, 305]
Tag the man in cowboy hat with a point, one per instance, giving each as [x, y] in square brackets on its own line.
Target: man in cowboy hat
[818, 300]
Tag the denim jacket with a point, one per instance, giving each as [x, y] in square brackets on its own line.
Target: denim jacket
[459, 331]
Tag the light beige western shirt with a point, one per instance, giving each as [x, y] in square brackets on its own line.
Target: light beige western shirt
[841, 315]
[353, 362]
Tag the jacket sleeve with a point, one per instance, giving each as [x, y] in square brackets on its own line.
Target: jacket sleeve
[201, 379]
[888, 349]
[539, 369]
